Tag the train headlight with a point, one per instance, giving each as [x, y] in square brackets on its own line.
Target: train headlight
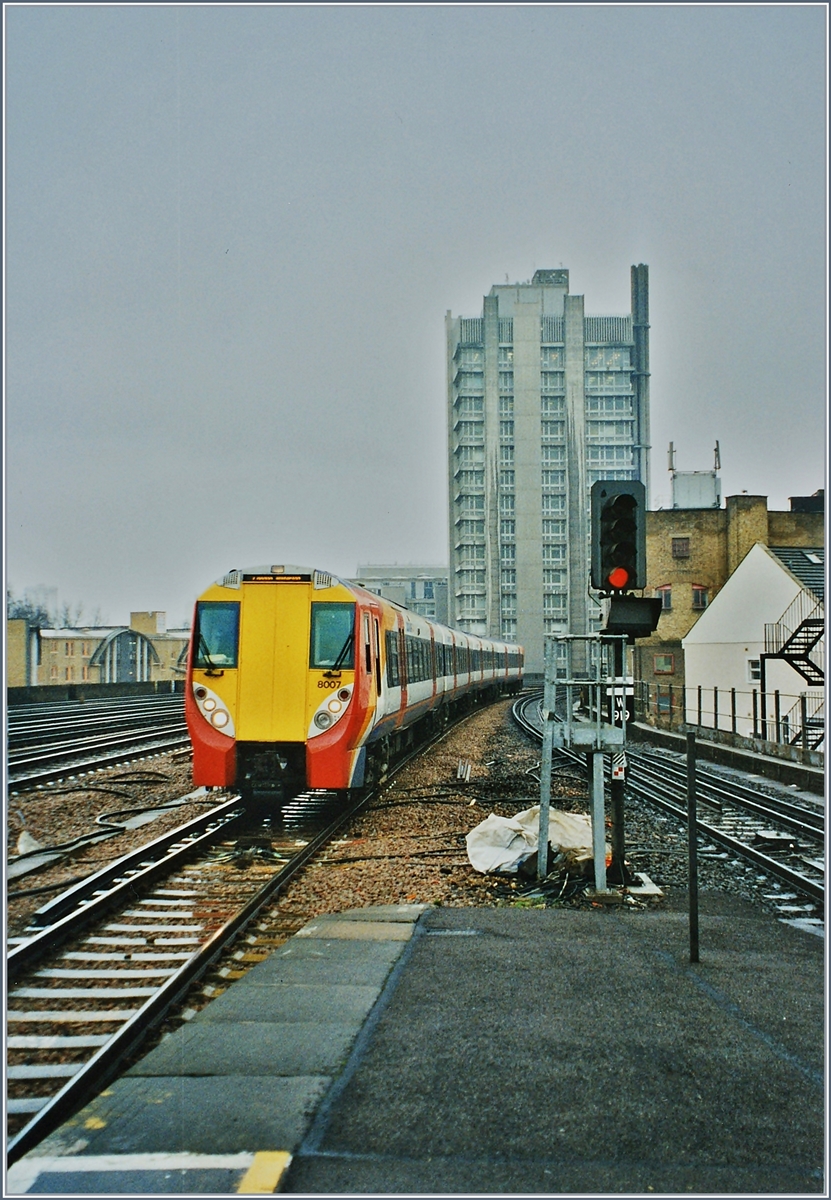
[214, 710]
[330, 710]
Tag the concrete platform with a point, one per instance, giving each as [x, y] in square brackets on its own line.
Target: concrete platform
[484, 1050]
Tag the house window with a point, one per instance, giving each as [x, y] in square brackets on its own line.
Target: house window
[53, 672]
[699, 596]
[664, 664]
[86, 649]
[70, 673]
[665, 594]
[754, 669]
[69, 649]
[680, 547]
[85, 672]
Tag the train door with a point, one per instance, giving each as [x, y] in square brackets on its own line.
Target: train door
[274, 651]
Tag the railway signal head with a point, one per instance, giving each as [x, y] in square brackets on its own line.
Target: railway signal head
[618, 535]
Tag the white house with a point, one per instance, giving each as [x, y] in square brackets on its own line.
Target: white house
[726, 653]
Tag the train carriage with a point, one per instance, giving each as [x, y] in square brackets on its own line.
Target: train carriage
[297, 679]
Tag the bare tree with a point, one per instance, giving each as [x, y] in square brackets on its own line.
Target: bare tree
[71, 616]
[35, 614]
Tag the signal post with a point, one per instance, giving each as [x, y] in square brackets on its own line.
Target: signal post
[594, 676]
[618, 567]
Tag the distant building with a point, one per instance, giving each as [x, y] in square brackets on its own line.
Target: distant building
[763, 635]
[691, 553]
[144, 651]
[809, 504]
[422, 589]
[542, 401]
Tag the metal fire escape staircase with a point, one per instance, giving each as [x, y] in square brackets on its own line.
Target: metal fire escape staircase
[797, 638]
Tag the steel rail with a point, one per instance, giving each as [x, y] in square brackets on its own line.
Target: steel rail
[164, 744]
[662, 797]
[94, 894]
[54, 751]
[48, 734]
[795, 879]
[104, 1065]
[801, 820]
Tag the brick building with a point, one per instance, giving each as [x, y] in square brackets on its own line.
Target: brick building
[692, 552]
[145, 651]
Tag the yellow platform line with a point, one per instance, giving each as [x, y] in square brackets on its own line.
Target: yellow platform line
[265, 1173]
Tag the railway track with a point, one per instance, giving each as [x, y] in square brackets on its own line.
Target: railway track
[117, 952]
[784, 839]
[105, 962]
[49, 742]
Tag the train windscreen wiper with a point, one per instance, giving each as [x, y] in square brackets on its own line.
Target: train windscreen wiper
[205, 656]
[344, 652]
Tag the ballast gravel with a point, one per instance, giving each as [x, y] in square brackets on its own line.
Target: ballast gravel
[407, 846]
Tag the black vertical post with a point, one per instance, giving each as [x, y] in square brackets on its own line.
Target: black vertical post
[715, 708]
[733, 709]
[670, 706]
[803, 716]
[699, 707]
[763, 690]
[777, 715]
[617, 869]
[692, 838]
[755, 713]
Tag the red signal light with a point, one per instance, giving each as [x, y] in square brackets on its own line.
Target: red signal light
[619, 577]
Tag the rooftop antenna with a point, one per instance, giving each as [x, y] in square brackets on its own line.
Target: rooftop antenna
[717, 465]
[671, 457]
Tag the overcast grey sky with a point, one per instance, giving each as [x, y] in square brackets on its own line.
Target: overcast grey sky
[232, 234]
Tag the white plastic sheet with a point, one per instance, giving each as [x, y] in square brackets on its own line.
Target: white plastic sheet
[501, 844]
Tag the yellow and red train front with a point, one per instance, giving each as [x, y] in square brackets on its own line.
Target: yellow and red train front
[273, 693]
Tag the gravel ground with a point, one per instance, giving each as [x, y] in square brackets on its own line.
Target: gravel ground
[407, 847]
[63, 811]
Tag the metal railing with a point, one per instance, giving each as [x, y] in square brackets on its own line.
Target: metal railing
[777, 717]
[803, 608]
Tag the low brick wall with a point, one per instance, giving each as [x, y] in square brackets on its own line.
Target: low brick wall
[54, 693]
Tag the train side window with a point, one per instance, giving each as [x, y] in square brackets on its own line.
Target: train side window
[393, 669]
[216, 634]
[333, 636]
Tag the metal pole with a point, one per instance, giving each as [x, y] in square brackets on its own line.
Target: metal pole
[733, 709]
[755, 713]
[763, 690]
[777, 714]
[598, 822]
[616, 788]
[549, 703]
[670, 706]
[803, 713]
[715, 708]
[699, 706]
[545, 797]
[692, 839]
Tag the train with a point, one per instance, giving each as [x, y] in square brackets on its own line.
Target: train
[299, 680]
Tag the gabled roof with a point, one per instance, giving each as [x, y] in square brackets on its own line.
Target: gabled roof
[806, 563]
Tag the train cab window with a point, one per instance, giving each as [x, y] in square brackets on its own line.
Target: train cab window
[216, 634]
[333, 637]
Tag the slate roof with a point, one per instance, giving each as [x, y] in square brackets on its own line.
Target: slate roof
[806, 563]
